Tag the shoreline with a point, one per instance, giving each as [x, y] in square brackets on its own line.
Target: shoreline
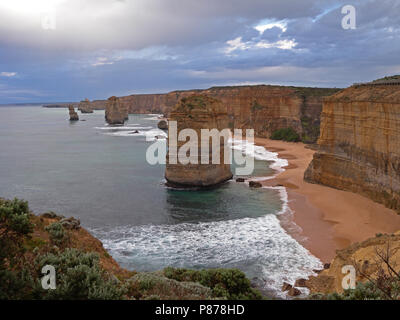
[323, 219]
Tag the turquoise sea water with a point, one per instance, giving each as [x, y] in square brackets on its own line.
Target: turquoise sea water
[100, 175]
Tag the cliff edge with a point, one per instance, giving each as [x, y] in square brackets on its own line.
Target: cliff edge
[359, 144]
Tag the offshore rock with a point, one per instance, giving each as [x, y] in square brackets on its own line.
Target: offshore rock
[85, 106]
[359, 145]
[162, 124]
[197, 112]
[116, 112]
[73, 116]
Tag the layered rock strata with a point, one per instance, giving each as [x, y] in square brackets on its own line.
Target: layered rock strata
[263, 108]
[116, 112]
[359, 145]
[73, 116]
[197, 112]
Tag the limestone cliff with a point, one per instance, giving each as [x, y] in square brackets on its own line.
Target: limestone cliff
[85, 106]
[116, 112]
[262, 107]
[363, 256]
[359, 145]
[73, 116]
[197, 112]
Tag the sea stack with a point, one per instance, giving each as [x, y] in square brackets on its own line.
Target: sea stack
[85, 106]
[197, 112]
[359, 145]
[73, 116]
[116, 111]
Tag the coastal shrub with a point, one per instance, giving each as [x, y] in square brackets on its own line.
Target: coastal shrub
[363, 291]
[225, 283]
[58, 235]
[382, 284]
[15, 228]
[79, 277]
[147, 285]
[286, 134]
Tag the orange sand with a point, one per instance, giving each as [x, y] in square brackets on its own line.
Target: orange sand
[330, 219]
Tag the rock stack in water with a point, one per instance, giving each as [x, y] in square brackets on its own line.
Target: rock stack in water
[197, 112]
[116, 112]
[73, 116]
[85, 106]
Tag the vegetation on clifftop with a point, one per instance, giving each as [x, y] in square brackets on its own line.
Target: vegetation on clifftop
[84, 269]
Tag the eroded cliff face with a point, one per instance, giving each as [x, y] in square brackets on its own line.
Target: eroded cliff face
[262, 108]
[363, 256]
[116, 112]
[197, 112]
[360, 143]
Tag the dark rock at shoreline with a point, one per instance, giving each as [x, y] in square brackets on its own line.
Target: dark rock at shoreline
[300, 283]
[286, 286]
[294, 292]
[162, 124]
[255, 184]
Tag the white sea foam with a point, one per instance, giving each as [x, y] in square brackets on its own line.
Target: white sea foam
[258, 241]
[123, 128]
[260, 153]
[150, 133]
[154, 116]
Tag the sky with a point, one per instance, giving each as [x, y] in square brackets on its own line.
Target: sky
[67, 50]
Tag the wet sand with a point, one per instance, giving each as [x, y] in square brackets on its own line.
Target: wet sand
[327, 219]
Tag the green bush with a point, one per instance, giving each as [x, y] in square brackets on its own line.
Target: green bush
[58, 235]
[144, 285]
[15, 227]
[286, 134]
[363, 291]
[79, 276]
[225, 283]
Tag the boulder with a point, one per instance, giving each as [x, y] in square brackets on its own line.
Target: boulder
[73, 116]
[294, 292]
[163, 125]
[255, 184]
[300, 283]
[286, 286]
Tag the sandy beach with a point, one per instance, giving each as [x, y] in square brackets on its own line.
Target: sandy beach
[329, 219]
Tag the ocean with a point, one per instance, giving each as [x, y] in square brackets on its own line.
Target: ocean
[99, 174]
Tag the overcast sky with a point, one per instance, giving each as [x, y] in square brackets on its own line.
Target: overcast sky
[66, 50]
